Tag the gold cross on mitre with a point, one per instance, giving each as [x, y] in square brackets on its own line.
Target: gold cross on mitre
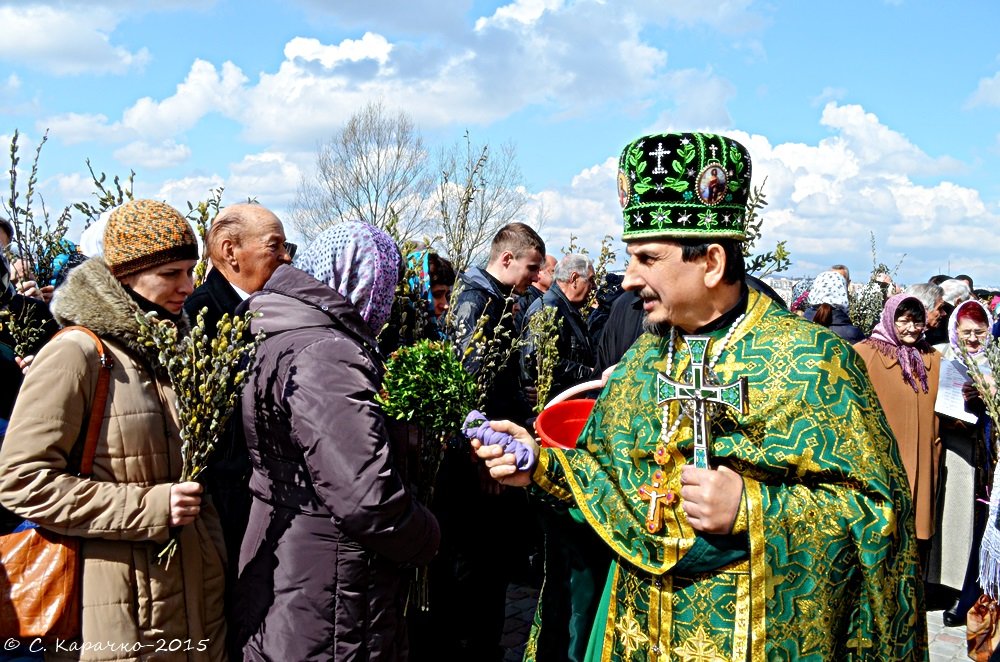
[701, 392]
[656, 496]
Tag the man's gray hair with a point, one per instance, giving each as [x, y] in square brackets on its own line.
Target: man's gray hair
[927, 293]
[955, 291]
[574, 262]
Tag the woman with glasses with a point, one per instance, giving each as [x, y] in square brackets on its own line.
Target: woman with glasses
[904, 370]
[968, 465]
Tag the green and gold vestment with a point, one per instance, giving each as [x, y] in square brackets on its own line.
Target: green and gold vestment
[821, 564]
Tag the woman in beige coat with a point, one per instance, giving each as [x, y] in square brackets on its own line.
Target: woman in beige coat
[133, 606]
[905, 371]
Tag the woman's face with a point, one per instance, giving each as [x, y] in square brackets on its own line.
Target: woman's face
[442, 296]
[166, 285]
[909, 328]
[972, 335]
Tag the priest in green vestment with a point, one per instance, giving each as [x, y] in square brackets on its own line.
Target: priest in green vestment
[737, 464]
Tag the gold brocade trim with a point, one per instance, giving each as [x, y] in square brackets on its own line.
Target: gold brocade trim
[742, 522]
[541, 477]
[757, 305]
[741, 619]
[758, 569]
[609, 625]
[661, 594]
[672, 553]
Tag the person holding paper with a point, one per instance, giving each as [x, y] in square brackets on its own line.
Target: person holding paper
[904, 370]
[967, 465]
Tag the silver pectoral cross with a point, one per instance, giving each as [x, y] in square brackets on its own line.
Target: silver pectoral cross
[697, 395]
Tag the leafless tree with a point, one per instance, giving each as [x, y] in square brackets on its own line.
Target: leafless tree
[374, 170]
[479, 192]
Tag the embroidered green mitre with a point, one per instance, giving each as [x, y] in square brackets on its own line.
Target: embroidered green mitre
[684, 185]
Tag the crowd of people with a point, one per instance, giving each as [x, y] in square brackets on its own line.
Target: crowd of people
[758, 479]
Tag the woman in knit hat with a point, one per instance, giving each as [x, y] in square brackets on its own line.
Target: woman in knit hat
[132, 504]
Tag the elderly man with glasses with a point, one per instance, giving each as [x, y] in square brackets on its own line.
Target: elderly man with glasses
[246, 244]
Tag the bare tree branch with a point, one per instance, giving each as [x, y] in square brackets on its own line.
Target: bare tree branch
[479, 192]
[372, 170]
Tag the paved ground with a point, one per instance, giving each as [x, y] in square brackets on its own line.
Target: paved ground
[946, 644]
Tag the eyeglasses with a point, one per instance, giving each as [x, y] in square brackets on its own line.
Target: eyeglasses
[973, 333]
[290, 248]
[917, 326]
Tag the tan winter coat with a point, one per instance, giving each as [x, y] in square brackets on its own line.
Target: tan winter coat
[129, 599]
[915, 425]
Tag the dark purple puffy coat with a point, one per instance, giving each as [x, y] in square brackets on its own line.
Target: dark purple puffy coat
[333, 530]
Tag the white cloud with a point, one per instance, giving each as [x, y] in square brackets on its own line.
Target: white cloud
[572, 59]
[269, 177]
[204, 90]
[569, 58]
[65, 39]
[76, 186]
[587, 209]
[370, 47]
[825, 200]
[987, 93]
[828, 94]
[179, 192]
[878, 146]
[11, 99]
[520, 11]
[417, 17]
[165, 154]
[73, 128]
[697, 98]
[10, 86]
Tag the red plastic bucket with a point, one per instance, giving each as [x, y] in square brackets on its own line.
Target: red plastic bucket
[560, 425]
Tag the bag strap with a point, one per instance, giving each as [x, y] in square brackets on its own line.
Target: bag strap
[100, 400]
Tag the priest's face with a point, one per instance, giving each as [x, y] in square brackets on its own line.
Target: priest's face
[672, 291]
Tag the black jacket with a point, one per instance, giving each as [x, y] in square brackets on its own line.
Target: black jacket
[576, 353]
[227, 475]
[480, 295]
[624, 325]
[216, 295]
[840, 324]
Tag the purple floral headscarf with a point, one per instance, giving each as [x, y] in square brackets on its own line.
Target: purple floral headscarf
[886, 341]
[361, 262]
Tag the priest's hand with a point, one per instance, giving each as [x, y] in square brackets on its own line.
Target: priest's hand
[711, 498]
[503, 466]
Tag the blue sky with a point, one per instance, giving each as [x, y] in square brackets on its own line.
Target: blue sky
[865, 116]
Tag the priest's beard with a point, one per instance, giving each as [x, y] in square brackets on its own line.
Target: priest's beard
[656, 328]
